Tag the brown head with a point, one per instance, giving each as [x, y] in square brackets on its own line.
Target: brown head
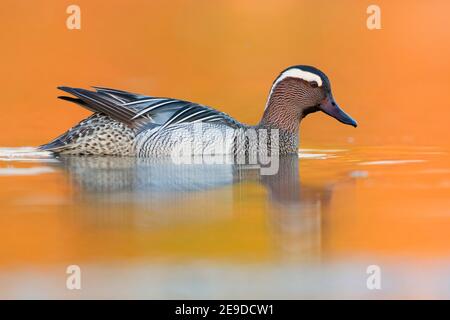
[297, 92]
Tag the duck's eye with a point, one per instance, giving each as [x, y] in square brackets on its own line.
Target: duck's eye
[314, 84]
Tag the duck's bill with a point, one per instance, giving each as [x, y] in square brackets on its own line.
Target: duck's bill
[330, 107]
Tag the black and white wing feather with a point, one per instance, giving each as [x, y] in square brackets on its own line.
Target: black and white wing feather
[139, 111]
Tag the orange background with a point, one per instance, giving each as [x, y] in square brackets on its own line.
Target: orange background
[394, 81]
[226, 54]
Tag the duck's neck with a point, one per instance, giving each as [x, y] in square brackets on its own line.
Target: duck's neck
[281, 113]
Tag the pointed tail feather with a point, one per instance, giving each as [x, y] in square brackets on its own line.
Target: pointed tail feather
[101, 102]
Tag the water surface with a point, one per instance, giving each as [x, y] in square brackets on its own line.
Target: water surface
[153, 229]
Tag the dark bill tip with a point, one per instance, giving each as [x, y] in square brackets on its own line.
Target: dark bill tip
[330, 107]
[352, 122]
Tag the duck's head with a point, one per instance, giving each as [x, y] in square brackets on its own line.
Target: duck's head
[299, 91]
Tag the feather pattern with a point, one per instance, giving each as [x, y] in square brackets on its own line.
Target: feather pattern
[121, 117]
[136, 110]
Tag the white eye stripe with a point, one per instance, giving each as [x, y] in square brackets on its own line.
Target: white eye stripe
[295, 73]
[300, 74]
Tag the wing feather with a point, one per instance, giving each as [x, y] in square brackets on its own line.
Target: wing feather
[139, 111]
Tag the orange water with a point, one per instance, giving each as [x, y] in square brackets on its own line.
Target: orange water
[176, 232]
[378, 194]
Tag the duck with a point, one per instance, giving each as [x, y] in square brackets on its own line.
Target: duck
[136, 125]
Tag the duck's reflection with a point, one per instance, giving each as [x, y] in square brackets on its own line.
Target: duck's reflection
[296, 211]
[153, 193]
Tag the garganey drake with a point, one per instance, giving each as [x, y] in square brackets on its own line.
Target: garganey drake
[130, 124]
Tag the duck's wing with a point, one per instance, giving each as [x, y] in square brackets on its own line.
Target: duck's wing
[139, 111]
